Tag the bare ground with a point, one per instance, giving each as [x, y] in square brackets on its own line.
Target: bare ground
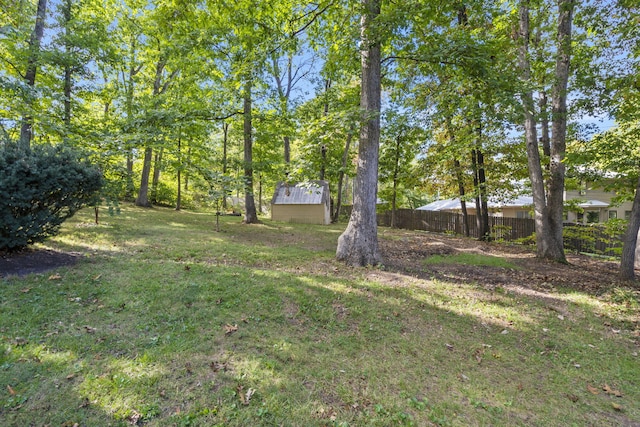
[404, 254]
[32, 260]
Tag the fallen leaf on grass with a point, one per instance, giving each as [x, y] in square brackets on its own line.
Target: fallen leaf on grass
[25, 290]
[89, 329]
[229, 329]
[12, 392]
[55, 277]
[245, 398]
[71, 376]
[616, 406]
[593, 390]
[611, 391]
[217, 366]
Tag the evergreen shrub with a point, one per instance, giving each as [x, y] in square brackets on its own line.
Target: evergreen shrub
[39, 189]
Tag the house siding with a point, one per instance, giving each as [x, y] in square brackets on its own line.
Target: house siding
[304, 214]
[600, 195]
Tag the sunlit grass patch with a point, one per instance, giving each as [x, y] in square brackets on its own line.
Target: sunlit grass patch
[167, 322]
[467, 258]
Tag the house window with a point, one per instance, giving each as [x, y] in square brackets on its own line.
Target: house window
[523, 214]
[593, 216]
[580, 217]
[613, 214]
[627, 215]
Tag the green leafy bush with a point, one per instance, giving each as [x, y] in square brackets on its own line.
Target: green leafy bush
[39, 189]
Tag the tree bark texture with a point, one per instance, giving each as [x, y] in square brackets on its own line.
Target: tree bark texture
[250, 216]
[345, 158]
[358, 244]
[178, 174]
[143, 192]
[627, 261]
[225, 142]
[548, 223]
[26, 129]
[555, 198]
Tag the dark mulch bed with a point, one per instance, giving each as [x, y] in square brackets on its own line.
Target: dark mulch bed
[34, 261]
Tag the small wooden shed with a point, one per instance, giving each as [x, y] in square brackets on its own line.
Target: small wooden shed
[307, 203]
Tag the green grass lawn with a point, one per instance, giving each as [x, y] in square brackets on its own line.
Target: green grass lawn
[166, 322]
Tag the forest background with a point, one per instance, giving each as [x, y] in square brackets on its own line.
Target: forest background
[187, 103]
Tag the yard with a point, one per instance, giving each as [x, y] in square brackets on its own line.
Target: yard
[156, 319]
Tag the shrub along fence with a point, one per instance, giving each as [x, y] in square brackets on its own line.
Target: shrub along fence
[595, 238]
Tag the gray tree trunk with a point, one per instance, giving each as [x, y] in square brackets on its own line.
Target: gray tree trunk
[358, 244]
[250, 216]
[26, 129]
[627, 261]
[143, 192]
[345, 158]
[555, 198]
[548, 211]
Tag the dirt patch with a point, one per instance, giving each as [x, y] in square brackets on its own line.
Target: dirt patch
[31, 261]
[405, 253]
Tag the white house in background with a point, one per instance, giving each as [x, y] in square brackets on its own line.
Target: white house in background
[517, 207]
[595, 203]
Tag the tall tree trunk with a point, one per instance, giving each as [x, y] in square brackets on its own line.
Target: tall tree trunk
[546, 235]
[26, 129]
[130, 186]
[480, 183]
[158, 88]
[555, 198]
[627, 261]
[250, 216]
[143, 192]
[345, 158]
[178, 173]
[544, 124]
[225, 142]
[157, 169]
[461, 192]
[358, 244]
[287, 155]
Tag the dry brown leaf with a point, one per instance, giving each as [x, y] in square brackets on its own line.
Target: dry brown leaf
[229, 329]
[611, 391]
[89, 329]
[616, 406]
[12, 392]
[71, 376]
[25, 290]
[217, 366]
[55, 277]
[593, 390]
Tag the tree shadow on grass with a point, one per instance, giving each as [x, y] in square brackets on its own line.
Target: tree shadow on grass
[231, 345]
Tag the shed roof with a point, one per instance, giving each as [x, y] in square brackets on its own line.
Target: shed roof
[305, 193]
